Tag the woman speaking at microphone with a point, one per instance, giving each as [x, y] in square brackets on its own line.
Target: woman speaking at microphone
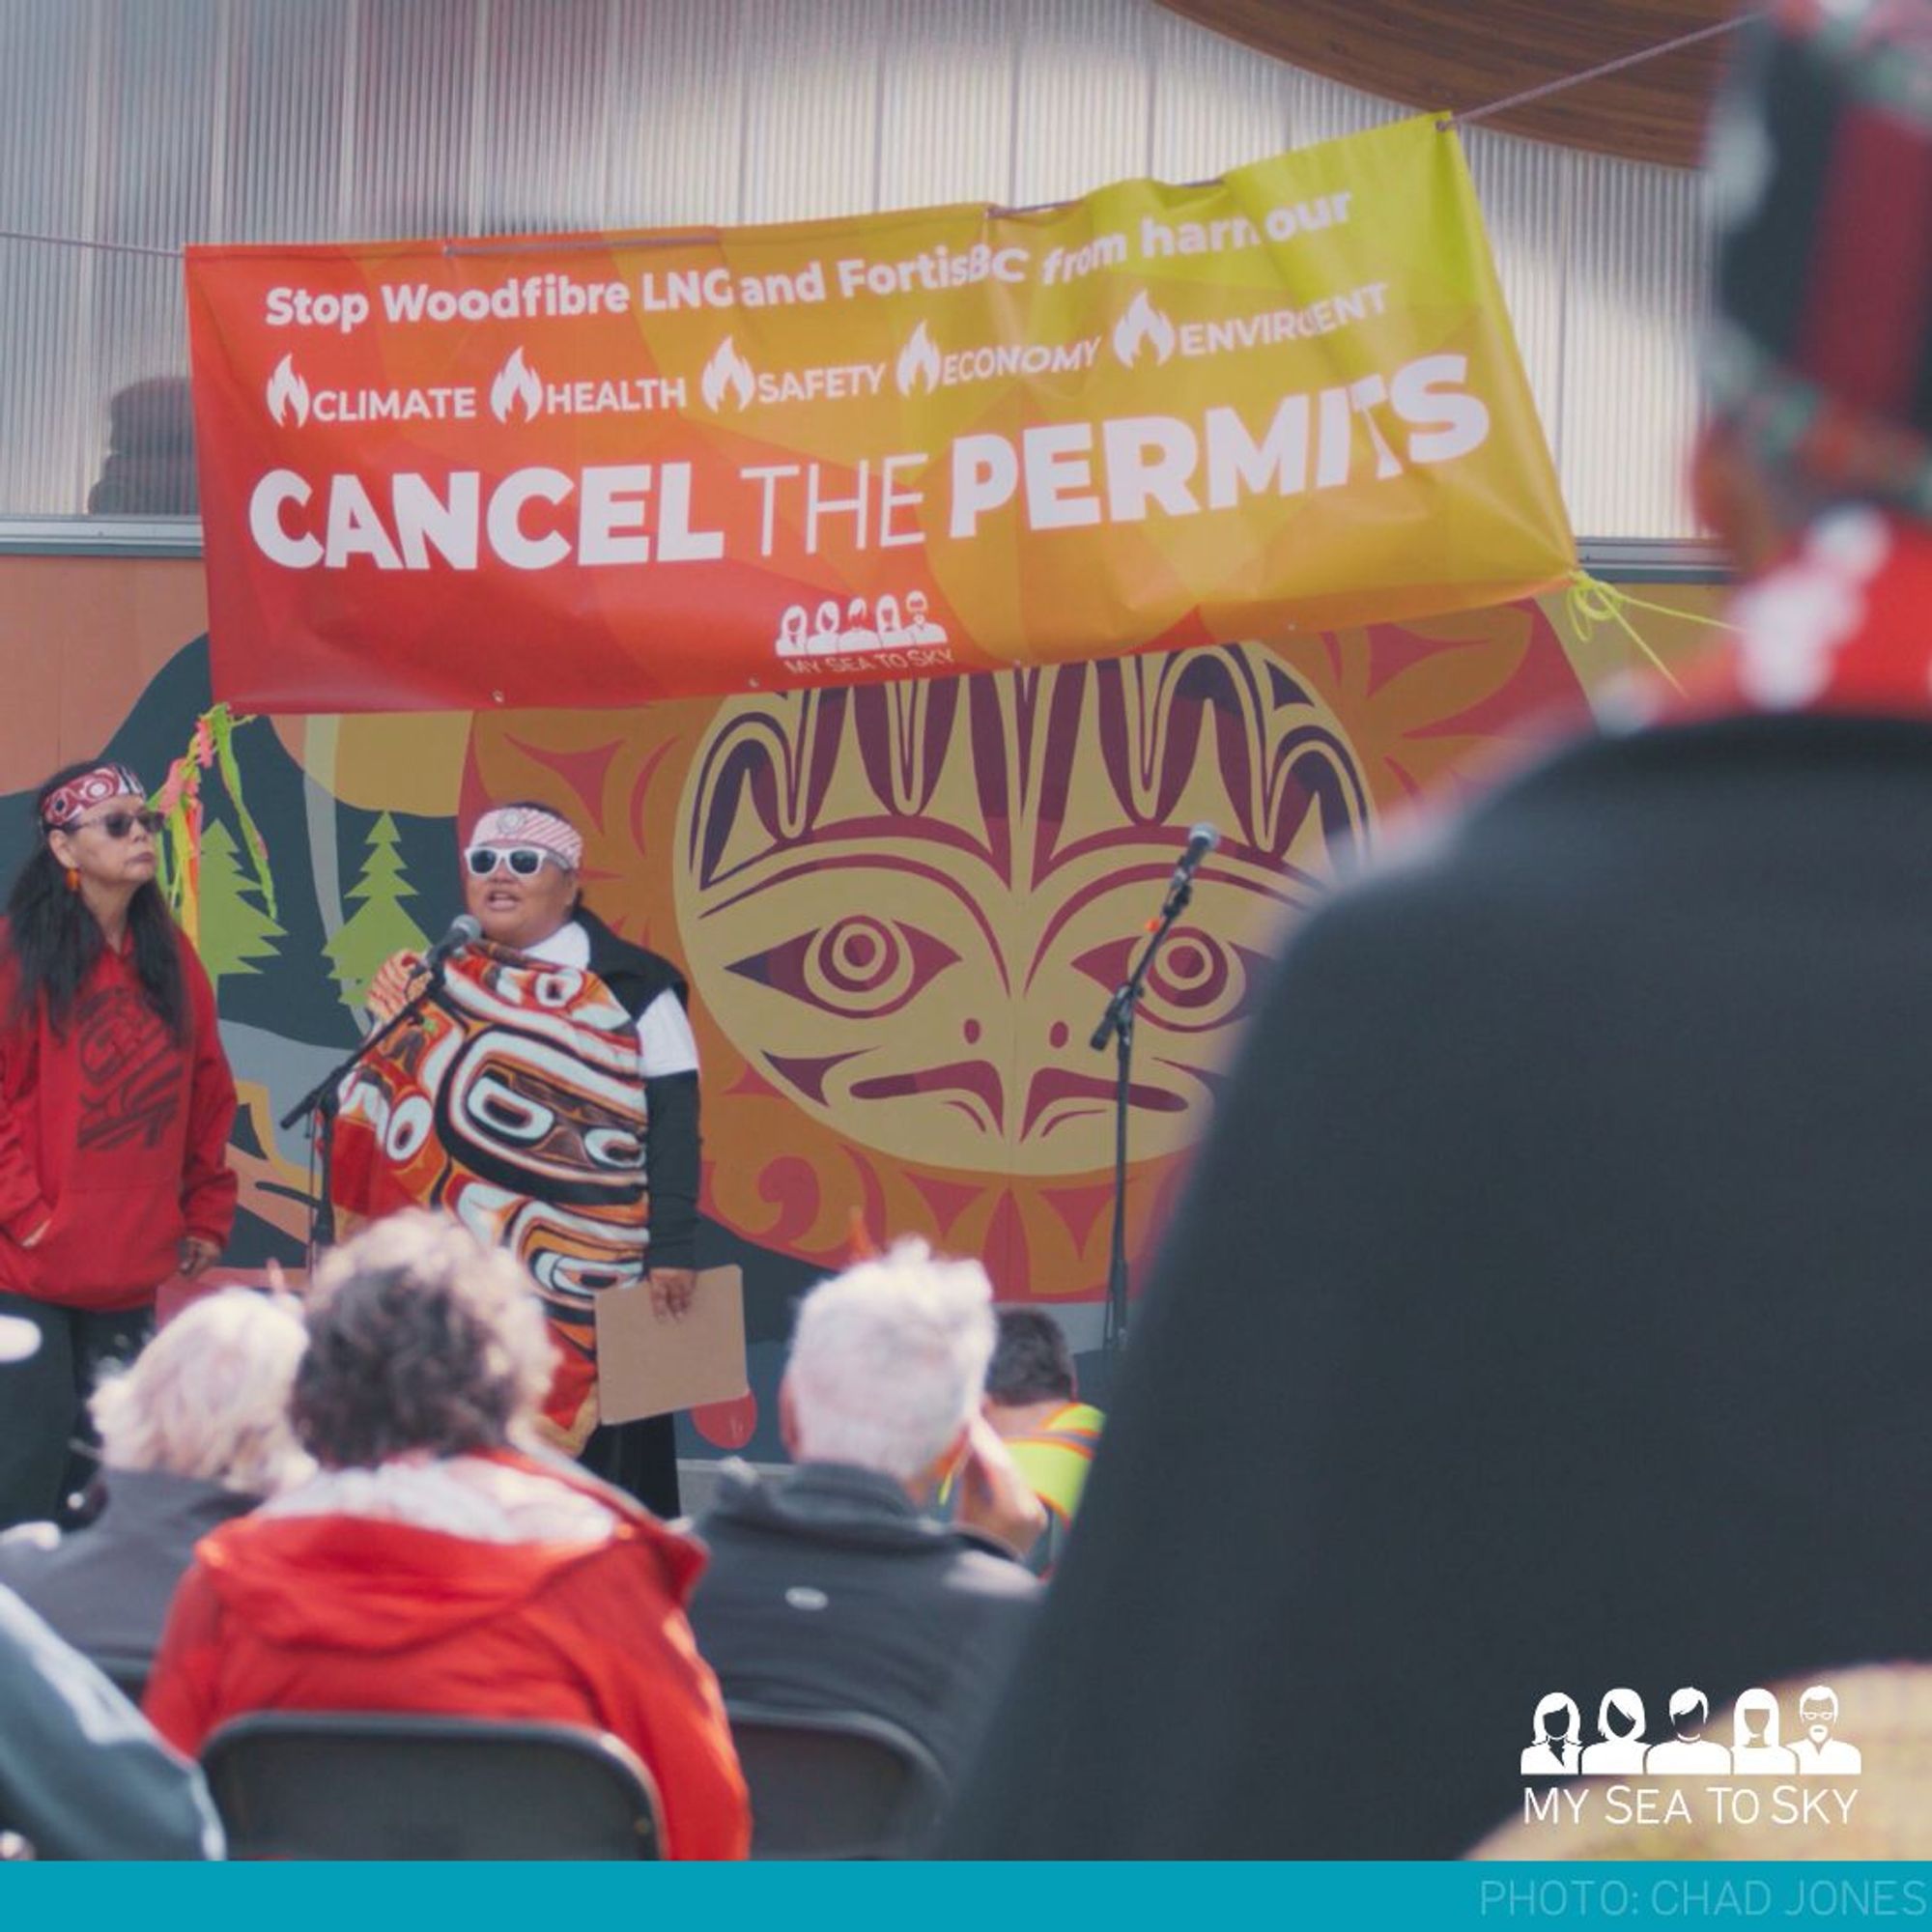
[547, 1099]
[115, 1105]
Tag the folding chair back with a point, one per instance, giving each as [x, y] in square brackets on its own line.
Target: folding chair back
[835, 1785]
[348, 1784]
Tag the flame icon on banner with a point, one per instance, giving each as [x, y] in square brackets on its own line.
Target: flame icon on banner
[287, 393]
[1142, 327]
[516, 383]
[919, 362]
[726, 369]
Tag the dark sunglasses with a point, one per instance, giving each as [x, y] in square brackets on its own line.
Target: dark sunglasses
[525, 860]
[117, 824]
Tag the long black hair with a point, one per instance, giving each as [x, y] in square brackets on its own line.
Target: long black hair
[56, 942]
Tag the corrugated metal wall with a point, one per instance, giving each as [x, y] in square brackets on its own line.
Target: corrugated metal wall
[155, 122]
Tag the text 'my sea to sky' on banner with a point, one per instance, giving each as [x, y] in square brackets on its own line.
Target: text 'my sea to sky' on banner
[589, 470]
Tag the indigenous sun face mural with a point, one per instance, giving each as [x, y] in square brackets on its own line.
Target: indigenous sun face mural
[912, 901]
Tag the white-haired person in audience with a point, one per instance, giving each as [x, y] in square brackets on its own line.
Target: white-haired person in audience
[194, 1432]
[438, 1562]
[830, 1588]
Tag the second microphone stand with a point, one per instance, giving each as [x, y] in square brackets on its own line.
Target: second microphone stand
[324, 1101]
[1116, 1024]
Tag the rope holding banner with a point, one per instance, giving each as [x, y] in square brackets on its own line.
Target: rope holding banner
[1563, 82]
[1590, 602]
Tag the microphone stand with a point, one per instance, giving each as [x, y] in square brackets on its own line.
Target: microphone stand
[1117, 1023]
[324, 1101]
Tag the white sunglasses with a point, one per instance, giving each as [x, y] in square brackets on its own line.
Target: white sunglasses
[525, 860]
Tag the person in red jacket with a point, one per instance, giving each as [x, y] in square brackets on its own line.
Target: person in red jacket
[440, 1561]
[115, 1105]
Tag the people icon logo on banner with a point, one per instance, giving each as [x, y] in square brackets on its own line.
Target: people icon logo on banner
[859, 629]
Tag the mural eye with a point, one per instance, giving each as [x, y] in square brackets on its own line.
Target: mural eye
[1197, 983]
[507, 1113]
[859, 967]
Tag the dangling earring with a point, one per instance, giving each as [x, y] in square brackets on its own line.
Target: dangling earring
[73, 879]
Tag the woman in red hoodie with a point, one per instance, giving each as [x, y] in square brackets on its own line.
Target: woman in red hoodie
[115, 1105]
[434, 1565]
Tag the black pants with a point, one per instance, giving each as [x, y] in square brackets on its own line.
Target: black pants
[638, 1458]
[45, 1436]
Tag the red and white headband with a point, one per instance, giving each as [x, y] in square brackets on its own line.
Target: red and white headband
[93, 787]
[530, 825]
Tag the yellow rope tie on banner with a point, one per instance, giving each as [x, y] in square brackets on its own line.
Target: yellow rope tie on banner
[1589, 602]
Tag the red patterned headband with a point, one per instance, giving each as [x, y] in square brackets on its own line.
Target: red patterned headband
[93, 787]
[528, 825]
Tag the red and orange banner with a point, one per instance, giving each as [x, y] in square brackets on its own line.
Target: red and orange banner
[594, 470]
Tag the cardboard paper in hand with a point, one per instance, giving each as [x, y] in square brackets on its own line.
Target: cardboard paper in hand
[652, 1364]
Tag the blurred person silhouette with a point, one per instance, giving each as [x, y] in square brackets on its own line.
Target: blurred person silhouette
[1606, 1098]
[149, 470]
[82, 1774]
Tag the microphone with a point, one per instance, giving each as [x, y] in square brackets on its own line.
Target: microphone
[1117, 1022]
[326, 1095]
[1200, 841]
[463, 931]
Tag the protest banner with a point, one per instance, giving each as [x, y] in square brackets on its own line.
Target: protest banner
[597, 469]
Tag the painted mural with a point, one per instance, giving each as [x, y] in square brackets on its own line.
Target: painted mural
[901, 907]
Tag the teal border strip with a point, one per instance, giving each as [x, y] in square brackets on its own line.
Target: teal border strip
[983, 1897]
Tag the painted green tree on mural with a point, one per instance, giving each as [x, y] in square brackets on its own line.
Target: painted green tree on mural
[235, 930]
[379, 926]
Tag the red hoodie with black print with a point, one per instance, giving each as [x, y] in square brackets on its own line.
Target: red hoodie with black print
[113, 1138]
